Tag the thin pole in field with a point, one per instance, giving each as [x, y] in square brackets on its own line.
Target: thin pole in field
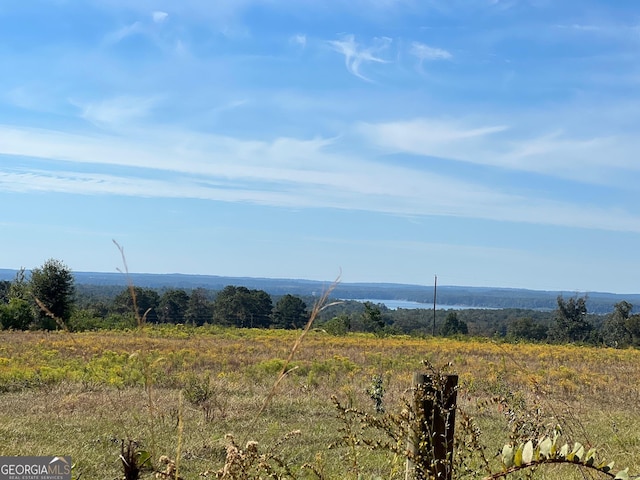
[435, 288]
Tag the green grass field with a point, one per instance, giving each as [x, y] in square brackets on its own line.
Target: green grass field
[82, 394]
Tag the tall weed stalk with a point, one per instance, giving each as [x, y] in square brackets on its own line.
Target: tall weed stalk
[318, 307]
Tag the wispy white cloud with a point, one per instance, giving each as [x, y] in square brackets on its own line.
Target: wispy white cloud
[502, 5]
[595, 159]
[34, 96]
[159, 16]
[424, 52]
[223, 12]
[582, 28]
[356, 55]
[284, 172]
[151, 26]
[120, 34]
[299, 39]
[116, 112]
[429, 132]
[432, 137]
[618, 30]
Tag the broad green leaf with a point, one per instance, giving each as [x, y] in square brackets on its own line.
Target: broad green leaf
[545, 447]
[144, 457]
[527, 452]
[507, 456]
[623, 474]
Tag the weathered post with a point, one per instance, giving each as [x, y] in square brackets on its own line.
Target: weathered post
[431, 436]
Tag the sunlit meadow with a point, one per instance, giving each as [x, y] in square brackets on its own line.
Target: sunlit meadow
[81, 394]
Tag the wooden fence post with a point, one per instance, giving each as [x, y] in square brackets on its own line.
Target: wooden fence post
[431, 435]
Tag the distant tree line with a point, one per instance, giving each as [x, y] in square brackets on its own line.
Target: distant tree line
[47, 298]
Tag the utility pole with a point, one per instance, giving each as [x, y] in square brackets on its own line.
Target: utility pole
[435, 288]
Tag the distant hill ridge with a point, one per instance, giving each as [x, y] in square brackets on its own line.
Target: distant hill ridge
[480, 297]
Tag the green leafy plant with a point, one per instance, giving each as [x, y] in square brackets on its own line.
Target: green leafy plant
[201, 393]
[134, 460]
[376, 392]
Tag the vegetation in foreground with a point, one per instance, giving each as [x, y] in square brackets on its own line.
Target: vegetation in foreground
[222, 384]
[179, 390]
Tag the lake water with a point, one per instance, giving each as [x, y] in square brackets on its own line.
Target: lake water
[407, 304]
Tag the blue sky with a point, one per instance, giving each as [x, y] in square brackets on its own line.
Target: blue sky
[490, 142]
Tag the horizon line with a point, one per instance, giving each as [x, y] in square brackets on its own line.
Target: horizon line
[124, 275]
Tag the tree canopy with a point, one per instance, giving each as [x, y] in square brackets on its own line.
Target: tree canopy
[146, 299]
[199, 308]
[527, 329]
[5, 286]
[173, 306]
[571, 324]
[242, 307]
[621, 328]
[453, 326]
[290, 312]
[52, 287]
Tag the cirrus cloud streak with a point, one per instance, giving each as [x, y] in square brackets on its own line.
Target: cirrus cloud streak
[285, 172]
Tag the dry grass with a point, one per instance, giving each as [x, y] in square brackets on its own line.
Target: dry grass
[80, 394]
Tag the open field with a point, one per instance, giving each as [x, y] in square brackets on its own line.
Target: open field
[80, 394]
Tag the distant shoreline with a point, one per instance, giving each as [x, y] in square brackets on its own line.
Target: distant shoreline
[411, 305]
[393, 295]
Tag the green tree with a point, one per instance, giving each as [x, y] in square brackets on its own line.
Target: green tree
[615, 330]
[338, 326]
[17, 314]
[571, 324]
[52, 286]
[173, 306]
[20, 287]
[526, 329]
[5, 286]
[633, 327]
[199, 309]
[261, 308]
[453, 326]
[290, 312]
[242, 307]
[147, 301]
[622, 329]
[229, 307]
[97, 308]
[372, 318]
[84, 319]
